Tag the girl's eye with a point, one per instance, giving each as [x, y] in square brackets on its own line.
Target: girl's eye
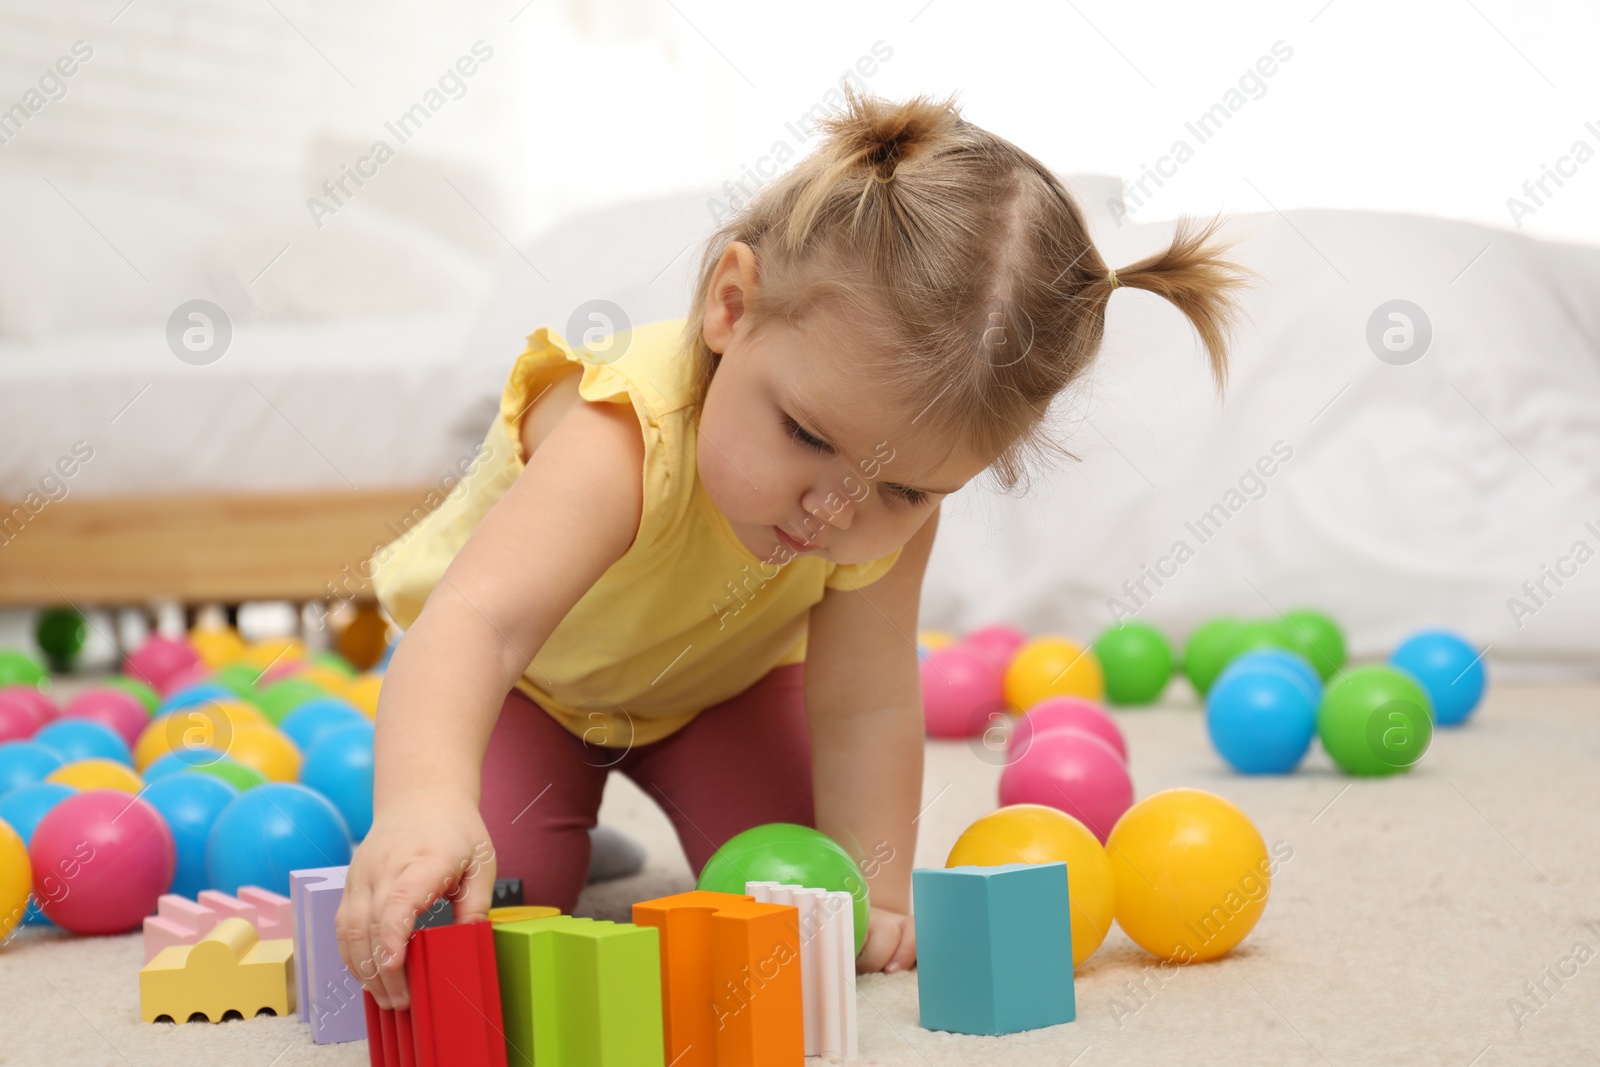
[798, 433]
[910, 496]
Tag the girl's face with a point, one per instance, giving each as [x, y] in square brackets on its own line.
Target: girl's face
[799, 455]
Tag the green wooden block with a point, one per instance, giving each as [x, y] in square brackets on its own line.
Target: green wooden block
[580, 993]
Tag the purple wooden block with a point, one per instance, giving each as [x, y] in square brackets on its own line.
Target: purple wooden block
[329, 995]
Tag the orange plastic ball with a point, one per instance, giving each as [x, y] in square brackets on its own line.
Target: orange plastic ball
[266, 749]
[216, 648]
[1052, 666]
[88, 774]
[16, 879]
[208, 725]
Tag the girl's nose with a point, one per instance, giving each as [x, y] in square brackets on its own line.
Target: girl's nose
[830, 506]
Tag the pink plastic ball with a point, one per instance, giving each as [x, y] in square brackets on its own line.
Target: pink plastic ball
[116, 708]
[41, 707]
[960, 690]
[996, 643]
[100, 861]
[1074, 772]
[1075, 713]
[159, 658]
[16, 722]
[284, 668]
[182, 679]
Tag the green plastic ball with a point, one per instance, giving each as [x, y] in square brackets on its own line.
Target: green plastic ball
[1206, 652]
[1136, 660]
[792, 854]
[19, 668]
[334, 662]
[1317, 638]
[282, 697]
[1375, 720]
[231, 771]
[240, 679]
[61, 633]
[141, 689]
[1257, 634]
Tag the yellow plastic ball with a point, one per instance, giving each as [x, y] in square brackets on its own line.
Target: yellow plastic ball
[1192, 874]
[209, 725]
[267, 749]
[1033, 833]
[363, 692]
[329, 679]
[273, 651]
[16, 879]
[932, 639]
[97, 774]
[216, 648]
[1052, 667]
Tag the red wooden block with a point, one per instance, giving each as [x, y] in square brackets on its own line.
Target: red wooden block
[454, 1019]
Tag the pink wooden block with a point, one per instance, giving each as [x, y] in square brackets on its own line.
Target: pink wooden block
[228, 907]
[177, 921]
[274, 915]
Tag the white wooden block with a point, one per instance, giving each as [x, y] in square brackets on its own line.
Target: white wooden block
[827, 963]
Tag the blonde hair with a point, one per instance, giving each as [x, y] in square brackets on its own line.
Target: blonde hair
[962, 262]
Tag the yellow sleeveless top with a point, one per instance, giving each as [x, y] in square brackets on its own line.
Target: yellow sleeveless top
[687, 617]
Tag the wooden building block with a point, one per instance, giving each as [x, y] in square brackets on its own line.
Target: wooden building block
[730, 979]
[274, 916]
[994, 947]
[180, 921]
[580, 993]
[228, 970]
[827, 963]
[330, 996]
[177, 921]
[454, 1019]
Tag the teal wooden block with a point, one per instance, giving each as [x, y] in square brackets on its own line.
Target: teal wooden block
[994, 947]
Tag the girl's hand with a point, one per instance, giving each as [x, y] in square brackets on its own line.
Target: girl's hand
[424, 844]
[891, 943]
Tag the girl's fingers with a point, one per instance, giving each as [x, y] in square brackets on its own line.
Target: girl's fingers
[475, 893]
[905, 956]
[416, 887]
[879, 946]
[353, 925]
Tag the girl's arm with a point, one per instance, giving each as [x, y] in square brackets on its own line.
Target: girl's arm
[864, 704]
[571, 513]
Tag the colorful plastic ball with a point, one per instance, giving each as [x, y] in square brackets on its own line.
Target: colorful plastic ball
[1034, 833]
[25, 763]
[18, 722]
[271, 651]
[22, 809]
[89, 774]
[120, 711]
[76, 739]
[330, 660]
[1073, 713]
[790, 853]
[271, 830]
[1192, 874]
[1375, 720]
[190, 696]
[240, 678]
[936, 639]
[284, 668]
[190, 804]
[146, 694]
[339, 766]
[1052, 667]
[187, 678]
[31, 700]
[1448, 668]
[282, 697]
[1208, 651]
[1318, 638]
[1283, 659]
[204, 728]
[1137, 661]
[158, 659]
[960, 689]
[997, 643]
[1261, 719]
[1074, 772]
[19, 668]
[363, 693]
[61, 633]
[314, 719]
[16, 880]
[265, 749]
[216, 647]
[100, 860]
[233, 772]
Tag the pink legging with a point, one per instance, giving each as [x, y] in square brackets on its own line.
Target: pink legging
[738, 764]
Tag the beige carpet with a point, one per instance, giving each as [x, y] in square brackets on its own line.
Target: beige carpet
[1408, 921]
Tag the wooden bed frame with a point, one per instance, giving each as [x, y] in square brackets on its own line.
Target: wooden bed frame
[215, 548]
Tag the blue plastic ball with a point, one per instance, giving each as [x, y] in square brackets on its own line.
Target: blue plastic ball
[186, 759]
[25, 763]
[1261, 720]
[340, 768]
[22, 809]
[1293, 662]
[271, 830]
[315, 719]
[191, 804]
[1448, 668]
[193, 696]
[79, 739]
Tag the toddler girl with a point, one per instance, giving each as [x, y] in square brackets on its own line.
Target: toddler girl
[693, 552]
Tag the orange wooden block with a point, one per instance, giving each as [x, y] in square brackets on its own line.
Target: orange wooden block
[730, 979]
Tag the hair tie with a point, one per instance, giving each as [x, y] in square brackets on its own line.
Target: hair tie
[885, 181]
[1112, 274]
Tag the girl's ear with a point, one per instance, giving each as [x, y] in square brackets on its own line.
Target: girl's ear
[733, 278]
